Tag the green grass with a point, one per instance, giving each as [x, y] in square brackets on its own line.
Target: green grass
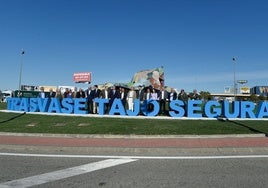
[34, 123]
[3, 106]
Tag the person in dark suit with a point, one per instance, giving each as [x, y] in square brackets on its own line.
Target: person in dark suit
[80, 94]
[113, 94]
[90, 96]
[172, 95]
[51, 93]
[140, 94]
[194, 95]
[163, 98]
[183, 97]
[123, 96]
[148, 96]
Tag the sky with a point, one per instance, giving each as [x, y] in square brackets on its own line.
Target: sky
[193, 40]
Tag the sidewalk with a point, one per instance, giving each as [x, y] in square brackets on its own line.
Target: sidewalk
[134, 141]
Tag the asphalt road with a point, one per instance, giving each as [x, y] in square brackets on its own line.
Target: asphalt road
[53, 161]
[87, 171]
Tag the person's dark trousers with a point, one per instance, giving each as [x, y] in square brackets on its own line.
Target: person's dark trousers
[162, 104]
[90, 107]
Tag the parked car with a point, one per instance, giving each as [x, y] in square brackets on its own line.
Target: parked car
[5, 95]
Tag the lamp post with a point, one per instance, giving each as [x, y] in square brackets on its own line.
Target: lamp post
[234, 61]
[21, 61]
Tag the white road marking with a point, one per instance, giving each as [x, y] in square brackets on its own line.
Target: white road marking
[65, 173]
[112, 160]
[135, 157]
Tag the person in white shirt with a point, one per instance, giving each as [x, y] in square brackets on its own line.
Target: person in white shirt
[105, 95]
[131, 95]
[42, 93]
[154, 95]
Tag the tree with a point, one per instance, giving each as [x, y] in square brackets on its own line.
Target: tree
[262, 98]
[205, 95]
[254, 98]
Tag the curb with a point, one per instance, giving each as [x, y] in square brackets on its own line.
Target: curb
[132, 136]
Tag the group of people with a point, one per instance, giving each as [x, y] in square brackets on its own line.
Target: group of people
[164, 97]
[126, 95]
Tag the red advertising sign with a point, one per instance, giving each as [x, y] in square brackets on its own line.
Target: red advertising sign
[81, 77]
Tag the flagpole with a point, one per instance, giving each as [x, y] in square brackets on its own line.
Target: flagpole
[21, 61]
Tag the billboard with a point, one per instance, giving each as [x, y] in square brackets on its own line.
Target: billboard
[29, 88]
[244, 90]
[260, 90]
[82, 77]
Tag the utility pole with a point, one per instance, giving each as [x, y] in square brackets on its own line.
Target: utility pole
[21, 62]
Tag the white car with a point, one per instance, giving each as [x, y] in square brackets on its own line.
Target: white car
[6, 95]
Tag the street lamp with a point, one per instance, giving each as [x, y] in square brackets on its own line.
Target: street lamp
[234, 61]
[21, 61]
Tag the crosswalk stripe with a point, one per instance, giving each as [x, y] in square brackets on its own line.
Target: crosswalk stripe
[65, 173]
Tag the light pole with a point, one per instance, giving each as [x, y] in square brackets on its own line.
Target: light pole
[21, 61]
[234, 61]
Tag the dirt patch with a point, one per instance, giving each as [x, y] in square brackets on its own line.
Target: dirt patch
[83, 124]
[59, 124]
